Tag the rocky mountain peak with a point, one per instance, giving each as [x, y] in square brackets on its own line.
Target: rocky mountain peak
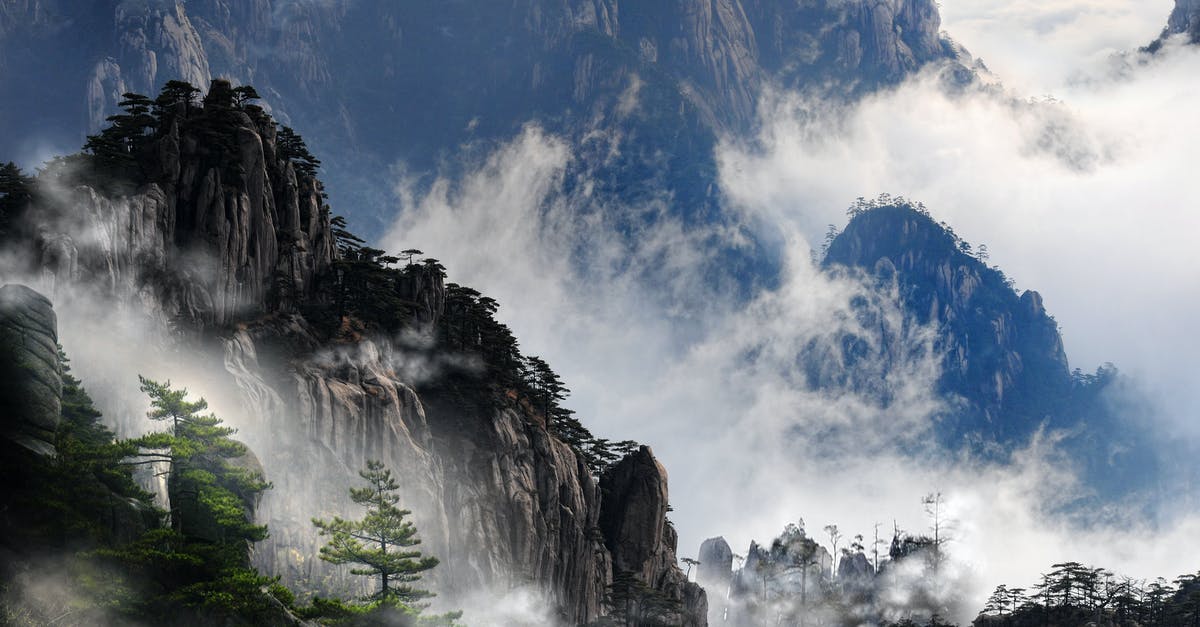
[1185, 18]
[1004, 373]
[1000, 348]
[1184, 21]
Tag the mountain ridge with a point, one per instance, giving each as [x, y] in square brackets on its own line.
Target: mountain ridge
[204, 219]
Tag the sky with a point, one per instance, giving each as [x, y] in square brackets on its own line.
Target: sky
[1074, 170]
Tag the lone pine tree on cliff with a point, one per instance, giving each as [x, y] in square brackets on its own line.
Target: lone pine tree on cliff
[381, 542]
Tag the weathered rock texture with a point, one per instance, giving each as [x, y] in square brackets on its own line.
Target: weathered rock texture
[217, 233]
[225, 243]
[998, 347]
[715, 574]
[633, 520]
[30, 372]
[1184, 20]
[1003, 366]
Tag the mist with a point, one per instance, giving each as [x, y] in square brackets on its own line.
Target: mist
[1082, 196]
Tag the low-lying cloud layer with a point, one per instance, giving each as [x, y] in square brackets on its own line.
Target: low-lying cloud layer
[1085, 198]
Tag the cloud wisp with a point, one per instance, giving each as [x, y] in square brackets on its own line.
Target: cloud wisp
[1071, 194]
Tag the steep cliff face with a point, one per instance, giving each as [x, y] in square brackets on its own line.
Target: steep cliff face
[31, 375]
[1004, 371]
[526, 505]
[219, 227]
[638, 535]
[1000, 349]
[220, 234]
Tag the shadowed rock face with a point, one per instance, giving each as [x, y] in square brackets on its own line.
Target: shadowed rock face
[223, 245]
[1000, 348]
[1184, 20]
[1004, 372]
[633, 519]
[31, 377]
[218, 233]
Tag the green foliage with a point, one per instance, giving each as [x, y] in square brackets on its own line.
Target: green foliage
[371, 613]
[88, 472]
[200, 564]
[291, 148]
[207, 490]
[16, 191]
[630, 601]
[1072, 593]
[469, 325]
[381, 542]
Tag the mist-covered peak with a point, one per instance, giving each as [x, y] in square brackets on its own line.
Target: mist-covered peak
[1184, 22]
[1000, 347]
[1004, 370]
[1185, 18]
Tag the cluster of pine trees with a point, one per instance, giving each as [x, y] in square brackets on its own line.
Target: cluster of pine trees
[1072, 593]
[193, 560]
[128, 562]
[800, 579]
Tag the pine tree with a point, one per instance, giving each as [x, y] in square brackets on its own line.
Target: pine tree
[381, 541]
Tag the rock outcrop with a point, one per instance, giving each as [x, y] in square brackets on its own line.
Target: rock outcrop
[715, 574]
[633, 521]
[30, 371]
[217, 230]
[1183, 21]
[31, 416]
[1004, 373]
[1000, 349]
[224, 240]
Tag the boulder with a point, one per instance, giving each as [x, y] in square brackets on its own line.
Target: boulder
[31, 375]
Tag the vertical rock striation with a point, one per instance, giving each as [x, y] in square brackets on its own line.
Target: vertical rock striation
[225, 240]
[31, 375]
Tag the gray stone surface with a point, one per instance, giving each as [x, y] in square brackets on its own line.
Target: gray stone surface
[31, 385]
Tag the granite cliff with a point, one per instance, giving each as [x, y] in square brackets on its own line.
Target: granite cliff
[1184, 21]
[377, 82]
[216, 231]
[1004, 371]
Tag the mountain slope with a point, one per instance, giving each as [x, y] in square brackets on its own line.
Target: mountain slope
[1004, 369]
[199, 226]
[1184, 20]
[376, 82]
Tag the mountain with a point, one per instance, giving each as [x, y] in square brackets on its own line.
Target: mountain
[1003, 367]
[1184, 20]
[374, 83]
[202, 223]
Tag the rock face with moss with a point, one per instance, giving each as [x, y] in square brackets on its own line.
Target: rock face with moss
[31, 382]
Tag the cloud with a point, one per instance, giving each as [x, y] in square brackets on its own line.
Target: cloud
[1038, 46]
[1084, 199]
[1083, 196]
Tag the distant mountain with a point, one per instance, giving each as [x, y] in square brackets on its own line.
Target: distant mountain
[1003, 367]
[371, 82]
[203, 219]
[1184, 20]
